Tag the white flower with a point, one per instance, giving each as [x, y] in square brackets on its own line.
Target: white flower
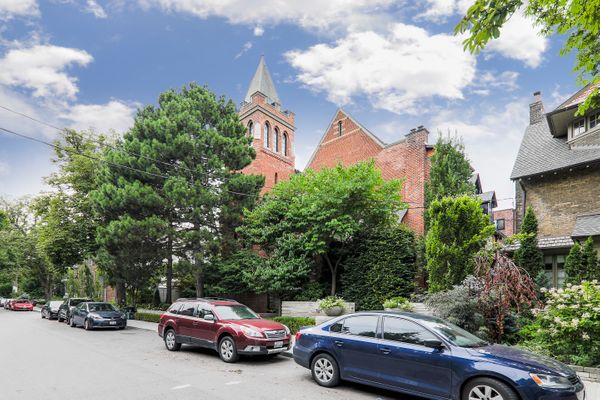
[575, 306]
[543, 290]
[585, 336]
[557, 320]
[595, 281]
[574, 322]
[586, 315]
[561, 306]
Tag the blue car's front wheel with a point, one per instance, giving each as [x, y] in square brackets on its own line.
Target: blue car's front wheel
[325, 370]
[488, 389]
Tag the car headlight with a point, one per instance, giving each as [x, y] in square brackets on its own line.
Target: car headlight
[251, 332]
[551, 381]
[95, 316]
[287, 330]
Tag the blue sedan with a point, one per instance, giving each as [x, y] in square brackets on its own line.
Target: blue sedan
[428, 357]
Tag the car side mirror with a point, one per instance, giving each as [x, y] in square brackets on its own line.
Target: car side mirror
[209, 317]
[434, 344]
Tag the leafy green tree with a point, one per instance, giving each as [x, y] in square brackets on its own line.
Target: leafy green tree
[3, 220]
[577, 20]
[316, 216]
[574, 265]
[528, 256]
[381, 266]
[591, 268]
[450, 172]
[458, 230]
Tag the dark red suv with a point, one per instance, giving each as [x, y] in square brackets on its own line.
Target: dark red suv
[224, 325]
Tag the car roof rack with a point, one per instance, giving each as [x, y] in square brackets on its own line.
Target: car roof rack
[206, 299]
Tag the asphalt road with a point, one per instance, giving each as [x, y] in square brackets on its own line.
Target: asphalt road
[47, 360]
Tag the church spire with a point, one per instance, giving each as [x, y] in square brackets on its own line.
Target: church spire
[262, 82]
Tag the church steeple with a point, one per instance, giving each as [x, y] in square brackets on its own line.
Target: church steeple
[262, 82]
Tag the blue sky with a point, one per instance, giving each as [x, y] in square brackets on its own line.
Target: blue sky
[393, 65]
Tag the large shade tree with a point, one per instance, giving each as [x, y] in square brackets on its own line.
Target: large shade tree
[315, 216]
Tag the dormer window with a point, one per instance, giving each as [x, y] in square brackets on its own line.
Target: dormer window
[578, 127]
[594, 120]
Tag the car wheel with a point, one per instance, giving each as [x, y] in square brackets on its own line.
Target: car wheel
[87, 325]
[171, 341]
[42, 315]
[72, 322]
[227, 350]
[325, 370]
[58, 318]
[488, 389]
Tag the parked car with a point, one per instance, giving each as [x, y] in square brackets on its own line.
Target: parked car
[50, 309]
[92, 315]
[64, 312]
[2, 302]
[21, 305]
[226, 326]
[8, 304]
[429, 357]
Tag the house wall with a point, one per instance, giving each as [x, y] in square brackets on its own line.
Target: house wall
[558, 199]
[508, 215]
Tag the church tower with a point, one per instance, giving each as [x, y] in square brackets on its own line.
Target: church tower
[271, 128]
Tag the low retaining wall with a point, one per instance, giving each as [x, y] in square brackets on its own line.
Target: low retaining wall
[307, 309]
[587, 373]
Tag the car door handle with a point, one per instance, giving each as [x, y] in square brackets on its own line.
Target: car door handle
[339, 343]
[385, 350]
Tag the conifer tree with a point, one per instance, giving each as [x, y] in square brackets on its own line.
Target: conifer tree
[529, 256]
[574, 265]
[590, 261]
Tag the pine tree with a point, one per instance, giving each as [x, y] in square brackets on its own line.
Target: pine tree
[589, 256]
[574, 265]
[529, 256]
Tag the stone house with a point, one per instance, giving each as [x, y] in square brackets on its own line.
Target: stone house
[557, 172]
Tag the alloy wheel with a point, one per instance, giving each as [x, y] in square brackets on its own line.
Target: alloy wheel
[170, 340]
[227, 349]
[484, 392]
[324, 370]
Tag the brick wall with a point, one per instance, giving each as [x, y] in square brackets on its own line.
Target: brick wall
[508, 215]
[407, 159]
[558, 199]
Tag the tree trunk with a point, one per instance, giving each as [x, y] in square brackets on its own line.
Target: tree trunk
[333, 269]
[169, 296]
[199, 280]
[120, 293]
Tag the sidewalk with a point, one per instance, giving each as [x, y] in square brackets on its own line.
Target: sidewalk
[592, 390]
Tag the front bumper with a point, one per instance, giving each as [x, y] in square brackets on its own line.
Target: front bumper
[250, 346]
[538, 393]
[107, 323]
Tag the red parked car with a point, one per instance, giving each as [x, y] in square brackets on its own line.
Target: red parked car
[226, 326]
[21, 305]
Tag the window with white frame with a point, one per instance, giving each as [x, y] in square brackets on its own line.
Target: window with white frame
[578, 127]
[595, 120]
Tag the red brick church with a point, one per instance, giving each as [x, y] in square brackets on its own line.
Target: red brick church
[345, 141]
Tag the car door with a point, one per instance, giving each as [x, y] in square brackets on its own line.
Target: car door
[355, 343]
[407, 364]
[79, 314]
[205, 331]
[185, 321]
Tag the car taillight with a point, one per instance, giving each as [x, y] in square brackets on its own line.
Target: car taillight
[298, 334]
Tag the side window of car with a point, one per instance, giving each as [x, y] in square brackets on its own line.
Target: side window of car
[203, 309]
[337, 327]
[363, 325]
[402, 330]
[188, 309]
[174, 309]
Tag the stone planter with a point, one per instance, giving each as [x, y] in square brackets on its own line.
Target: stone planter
[333, 311]
[393, 309]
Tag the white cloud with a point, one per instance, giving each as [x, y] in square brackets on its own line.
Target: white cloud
[41, 68]
[18, 8]
[113, 116]
[258, 30]
[489, 81]
[308, 14]
[520, 40]
[395, 71]
[93, 7]
[247, 46]
[479, 128]
[440, 10]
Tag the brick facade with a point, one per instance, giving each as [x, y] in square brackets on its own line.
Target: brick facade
[407, 159]
[509, 220]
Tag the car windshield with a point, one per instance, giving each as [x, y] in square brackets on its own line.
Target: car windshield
[100, 307]
[455, 335]
[76, 302]
[22, 301]
[54, 304]
[235, 312]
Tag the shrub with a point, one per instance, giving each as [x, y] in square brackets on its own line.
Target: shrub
[295, 323]
[381, 266]
[400, 303]
[568, 328]
[148, 317]
[529, 256]
[330, 302]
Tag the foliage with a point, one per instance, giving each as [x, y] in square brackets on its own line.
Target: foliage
[574, 265]
[591, 263]
[568, 327]
[528, 256]
[380, 266]
[4, 222]
[400, 303]
[330, 302]
[295, 323]
[450, 172]
[458, 230]
[148, 317]
[310, 291]
[578, 20]
[316, 216]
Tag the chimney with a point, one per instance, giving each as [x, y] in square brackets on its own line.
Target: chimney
[536, 109]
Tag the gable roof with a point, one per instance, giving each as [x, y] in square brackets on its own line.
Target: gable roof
[262, 82]
[578, 97]
[541, 152]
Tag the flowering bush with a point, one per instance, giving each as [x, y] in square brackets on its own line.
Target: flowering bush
[400, 303]
[330, 302]
[568, 328]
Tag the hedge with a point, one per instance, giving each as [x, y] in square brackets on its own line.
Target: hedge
[295, 323]
[148, 317]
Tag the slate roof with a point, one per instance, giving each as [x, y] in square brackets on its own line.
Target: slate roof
[487, 197]
[587, 225]
[262, 82]
[541, 152]
[558, 242]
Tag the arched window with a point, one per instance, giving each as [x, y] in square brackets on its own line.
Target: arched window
[339, 128]
[276, 141]
[267, 138]
[250, 129]
[285, 144]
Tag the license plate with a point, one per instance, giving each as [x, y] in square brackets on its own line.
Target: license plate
[278, 344]
[113, 322]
